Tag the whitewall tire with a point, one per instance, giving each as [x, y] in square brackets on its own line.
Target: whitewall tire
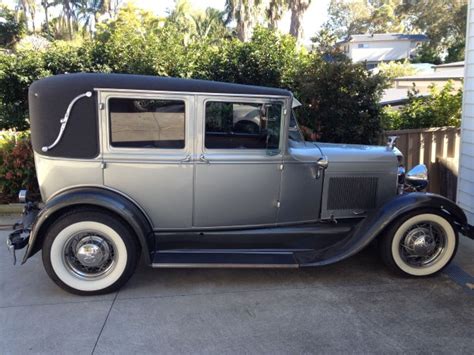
[420, 244]
[89, 252]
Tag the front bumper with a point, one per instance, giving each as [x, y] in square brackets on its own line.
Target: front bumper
[20, 236]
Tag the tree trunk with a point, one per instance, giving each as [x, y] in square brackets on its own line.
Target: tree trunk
[46, 16]
[298, 8]
[23, 7]
[246, 13]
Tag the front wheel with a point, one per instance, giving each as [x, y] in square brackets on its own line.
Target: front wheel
[420, 244]
[89, 252]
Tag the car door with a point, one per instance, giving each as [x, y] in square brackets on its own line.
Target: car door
[238, 170]
[148, 147]
[302, 179]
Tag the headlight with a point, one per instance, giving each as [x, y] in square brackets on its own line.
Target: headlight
[418, 177]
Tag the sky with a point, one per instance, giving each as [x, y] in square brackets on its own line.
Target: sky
[314, 17]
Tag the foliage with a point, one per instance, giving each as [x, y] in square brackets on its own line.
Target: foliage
[443, 21]
[16, 165]
[340, 100]
[268, 59]
[349, 17]
[441, 108]
[11, 29]
[392, 70]
[17, 72]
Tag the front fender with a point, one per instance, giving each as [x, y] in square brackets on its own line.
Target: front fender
[97, 197]
[374, 224]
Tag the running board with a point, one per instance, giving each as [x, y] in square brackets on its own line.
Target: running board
[209, 258]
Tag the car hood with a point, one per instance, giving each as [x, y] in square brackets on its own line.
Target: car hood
[350, 153]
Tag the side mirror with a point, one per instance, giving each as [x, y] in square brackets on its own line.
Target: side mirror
[417, 177]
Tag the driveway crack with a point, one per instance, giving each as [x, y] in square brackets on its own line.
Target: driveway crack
[105, 321]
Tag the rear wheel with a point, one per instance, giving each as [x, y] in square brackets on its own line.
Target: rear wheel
[89, 252]
[420, 244]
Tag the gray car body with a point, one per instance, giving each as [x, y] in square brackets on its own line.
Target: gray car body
[302, 204]
[199, 188]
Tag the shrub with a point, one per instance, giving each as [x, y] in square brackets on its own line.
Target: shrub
[441, 108]
[392, 70]
[16, 166]
[340, 100]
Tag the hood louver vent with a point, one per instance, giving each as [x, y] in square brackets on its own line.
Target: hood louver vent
[352, 193]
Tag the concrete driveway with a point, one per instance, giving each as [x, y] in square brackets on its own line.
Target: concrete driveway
[354, 307]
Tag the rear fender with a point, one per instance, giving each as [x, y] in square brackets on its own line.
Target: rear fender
[96, 197]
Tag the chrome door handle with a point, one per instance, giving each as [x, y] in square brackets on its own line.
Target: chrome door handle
[203, 158]
[322, 165]
[323, 162]
[186, 159]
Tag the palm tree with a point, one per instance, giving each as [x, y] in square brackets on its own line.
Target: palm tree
[246, 13]
[46, 5]
[275, 11]
[69, 14]
[298, 8]
[211, 21]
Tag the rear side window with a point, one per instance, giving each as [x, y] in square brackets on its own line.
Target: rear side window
[147, 123]
[236, 125]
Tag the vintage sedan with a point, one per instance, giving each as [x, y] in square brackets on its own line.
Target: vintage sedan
[195, 173]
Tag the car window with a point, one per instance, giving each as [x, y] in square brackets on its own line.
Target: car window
[147, 123]
[238, 125]
[294, 132]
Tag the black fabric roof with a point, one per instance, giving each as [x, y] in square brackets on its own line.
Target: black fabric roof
[49, 98]
[89, 81]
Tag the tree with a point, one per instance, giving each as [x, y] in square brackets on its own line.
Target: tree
[269, 59]
[275, 11]
[442, 107]
[298, 8]
[11, 29]
[209, 24]
[340, 100]
[443, 21]
[349, 17]
[394, 70]
[246, 14]
[46, 5]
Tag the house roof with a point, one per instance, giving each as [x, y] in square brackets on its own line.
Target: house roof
[455, 73]
[395, 97]
[384, 37]
[450, 65]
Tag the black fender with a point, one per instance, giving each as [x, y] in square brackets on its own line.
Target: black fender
[97, 197]
[374, 224]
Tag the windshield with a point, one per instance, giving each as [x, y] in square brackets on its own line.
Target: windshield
[294, 131]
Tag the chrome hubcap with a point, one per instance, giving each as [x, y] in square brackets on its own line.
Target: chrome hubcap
[422, 244]
[89, 255]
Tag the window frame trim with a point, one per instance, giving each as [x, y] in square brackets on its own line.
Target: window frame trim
[204, 99]
[109, 118]
[146, 153]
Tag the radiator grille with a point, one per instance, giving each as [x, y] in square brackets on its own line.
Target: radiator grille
[355, 192]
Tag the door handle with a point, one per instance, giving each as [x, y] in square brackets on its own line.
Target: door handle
[203, 158]
[322, 165]
[186, 159]
[323, 162]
